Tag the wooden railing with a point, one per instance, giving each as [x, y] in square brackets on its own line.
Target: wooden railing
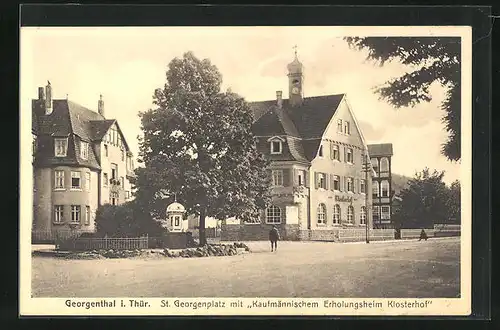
[87, 244]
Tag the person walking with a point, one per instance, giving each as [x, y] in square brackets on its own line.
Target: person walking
[423, 235]
[274, 236]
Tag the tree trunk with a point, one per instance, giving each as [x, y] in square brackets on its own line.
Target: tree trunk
[201, 229]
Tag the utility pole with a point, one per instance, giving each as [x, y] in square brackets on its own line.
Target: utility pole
[366, 168]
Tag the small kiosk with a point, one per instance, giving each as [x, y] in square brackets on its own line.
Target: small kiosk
[174, 220]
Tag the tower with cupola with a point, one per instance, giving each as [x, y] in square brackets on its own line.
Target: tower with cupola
[295, 81]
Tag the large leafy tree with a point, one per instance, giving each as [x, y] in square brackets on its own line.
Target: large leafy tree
[424, 201]
[198, 146]
[454, 204]
[432, 59]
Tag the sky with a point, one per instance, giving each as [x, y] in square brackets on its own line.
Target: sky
[126, 65]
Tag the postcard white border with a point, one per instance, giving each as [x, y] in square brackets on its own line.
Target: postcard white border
[56, 306]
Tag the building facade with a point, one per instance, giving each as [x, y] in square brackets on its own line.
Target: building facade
[317, 153]
[382, 189]
[81, 160]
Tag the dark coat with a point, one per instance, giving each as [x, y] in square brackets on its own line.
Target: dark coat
[274, 235]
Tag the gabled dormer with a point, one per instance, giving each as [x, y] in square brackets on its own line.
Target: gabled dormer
[276, 145]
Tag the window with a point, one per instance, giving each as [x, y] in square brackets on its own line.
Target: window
[61, 147]
[336, 214]
[320, 151]
[87, 215]
[33, 146]
[105, 179]
[347, 128]
[122, 182]
[375, 165]
[276, 147]
[362, 186]
[350, 214]
[339, 126]
[58, 213]
[114, 198]
[335, 154]
[362, 215]
[123, 155]
[106, 150]
[349, 155]
[273, 214]
[375, 189]
[75, 180]
[384, 186]
[385, 212]
[87, 181]
[350, 184]
[127, 195]
[321, 214]
[84, 150]
[59, 175]
[277, 177]
[75, 213]
[114, 171]
[321, 180]
[300, 178]
[177, 221]
[336, 182]
[376, 213]
[384, 165]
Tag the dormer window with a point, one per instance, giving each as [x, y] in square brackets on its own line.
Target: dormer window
[60, 147]
[276, 145]
[84, 150]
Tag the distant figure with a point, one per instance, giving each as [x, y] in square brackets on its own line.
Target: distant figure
[423, 235]
[274, 236]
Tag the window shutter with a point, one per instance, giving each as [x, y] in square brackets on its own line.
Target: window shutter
[286, 177]
[356, 187]
[341, 183]
[331, 150]
[306, 178]
[345, 154]
[295, 173]
[331, 182]
[325, 177]
[316, 180]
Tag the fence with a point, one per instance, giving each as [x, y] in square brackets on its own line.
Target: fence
[359, 234]
[443, 230]
[415, 233]
[51, 236]
[86, 244]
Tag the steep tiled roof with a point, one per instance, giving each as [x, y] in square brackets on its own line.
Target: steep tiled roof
[307, 122]
[68, 119]
[383, 149]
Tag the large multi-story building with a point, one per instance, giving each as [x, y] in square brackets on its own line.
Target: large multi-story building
[317, 153]
[81, 160]
[382, 184]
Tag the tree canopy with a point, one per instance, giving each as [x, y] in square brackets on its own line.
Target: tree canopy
[434, 59]
[198, 145]
[427, 200]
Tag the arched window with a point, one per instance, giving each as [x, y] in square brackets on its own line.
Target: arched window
[273, 214]
[350, 214]
[336, 214]
[375, 188]
[362, 215]
[322, 214]
[384, 187]
[384, 165]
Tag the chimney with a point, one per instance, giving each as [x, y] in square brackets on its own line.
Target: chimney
[48, 99]
[41, 94]
[100, 106]
[279, 98]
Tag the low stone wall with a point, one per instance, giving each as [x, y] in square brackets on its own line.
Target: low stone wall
[415, 233]
[257, 232]
[260, 232]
